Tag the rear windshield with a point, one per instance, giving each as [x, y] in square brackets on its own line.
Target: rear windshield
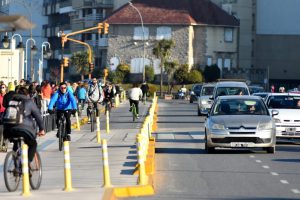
[207, 91]
[284, 102]
[240, 107]
[225, 91]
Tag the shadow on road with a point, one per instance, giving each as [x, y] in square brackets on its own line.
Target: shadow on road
[286, 160]
[179, 151]
[181, 140]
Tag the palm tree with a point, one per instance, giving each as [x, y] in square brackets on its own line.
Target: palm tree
[80, 61]
[162, 52]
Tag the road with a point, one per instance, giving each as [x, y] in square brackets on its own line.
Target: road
[185, 171]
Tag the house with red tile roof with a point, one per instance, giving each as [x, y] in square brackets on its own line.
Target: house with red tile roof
[203, 34]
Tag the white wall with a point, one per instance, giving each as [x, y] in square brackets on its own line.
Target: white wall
[11, 65]
[278, 17]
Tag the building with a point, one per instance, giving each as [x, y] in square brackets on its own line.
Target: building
[32, 10]
[203, 34]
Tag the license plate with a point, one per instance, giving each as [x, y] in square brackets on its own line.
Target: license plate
[240, 144]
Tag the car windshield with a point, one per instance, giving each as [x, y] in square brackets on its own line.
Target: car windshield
[239, 107]
[225, 91]
[284, 102]
[254, 89]
[197, 87]
[207, 91]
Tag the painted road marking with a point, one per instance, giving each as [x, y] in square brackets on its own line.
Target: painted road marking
[284, 181]
[252, 156]
[258, 161]
[274, 173]
[266, 166]
[296, 191]
[45, 144]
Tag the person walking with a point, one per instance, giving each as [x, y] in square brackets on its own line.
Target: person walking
[135, 94]
[145, 90]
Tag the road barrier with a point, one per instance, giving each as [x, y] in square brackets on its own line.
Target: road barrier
[67, 160]
[117, 100]
[143, 179]
[98, 130]
[77, 121]
[106, 176]
[26, 190]
[107, 121]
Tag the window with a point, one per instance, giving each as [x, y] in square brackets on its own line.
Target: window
[209, 61]
[138, 33]
[228, 34]
[163, 32]
[220, 63]
[227, 63]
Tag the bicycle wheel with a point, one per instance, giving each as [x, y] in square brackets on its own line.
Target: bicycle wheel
[133, 112]
[35, 172]
[12, 171]
[93, 121]
[60, 135]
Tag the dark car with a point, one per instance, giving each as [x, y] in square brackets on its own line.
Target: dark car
[255, 89]
[195, 92]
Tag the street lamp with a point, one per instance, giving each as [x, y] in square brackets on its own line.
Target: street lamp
[33, 52]
[20, 45]
[45, 54]
[5, 42]
[142, 23]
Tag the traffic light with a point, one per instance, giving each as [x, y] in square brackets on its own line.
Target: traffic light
[105, 72]
[66, 62]
[100, 27]
[106, 25]
[91, 67]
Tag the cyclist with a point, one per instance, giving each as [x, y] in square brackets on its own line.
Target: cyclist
[109, 94]
[24, 128]
[65, 104]
[145, 90]
[94, 97]
[135, 94]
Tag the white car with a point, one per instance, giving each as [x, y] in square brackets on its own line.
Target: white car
[288, 120]
[204, 101]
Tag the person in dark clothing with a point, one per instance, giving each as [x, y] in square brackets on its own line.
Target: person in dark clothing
[26, 129]
[145, 90]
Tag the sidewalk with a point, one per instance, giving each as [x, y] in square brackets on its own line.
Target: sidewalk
[86, 159]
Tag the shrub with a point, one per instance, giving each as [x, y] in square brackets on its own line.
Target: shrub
[211, 73]
[195, 76]
[181, 74]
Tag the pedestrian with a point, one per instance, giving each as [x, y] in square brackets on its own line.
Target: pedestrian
[145, 90]
[46, 94]
[272, 89]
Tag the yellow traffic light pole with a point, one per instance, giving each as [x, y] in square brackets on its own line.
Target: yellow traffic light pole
[64, 38]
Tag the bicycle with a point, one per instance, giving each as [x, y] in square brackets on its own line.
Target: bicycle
[107, 105]
[144, 99]
[92, 113]
[134, 113]
[13, 168]
[61, 132]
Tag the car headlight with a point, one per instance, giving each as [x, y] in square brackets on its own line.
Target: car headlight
[265, 126]
[276, 120]
[218, 127]
[203, 102]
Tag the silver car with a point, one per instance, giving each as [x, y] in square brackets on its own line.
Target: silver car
[204, 100]
[240, 122]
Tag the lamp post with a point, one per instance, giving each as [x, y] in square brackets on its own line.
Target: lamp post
[142, 23]
[46, 54]
[33, 51]
[20, 45]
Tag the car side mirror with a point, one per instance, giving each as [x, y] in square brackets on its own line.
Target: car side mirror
[211, 98]
[275, 112]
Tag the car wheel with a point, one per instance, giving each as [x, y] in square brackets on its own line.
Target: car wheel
[270, 150]
[209, 149]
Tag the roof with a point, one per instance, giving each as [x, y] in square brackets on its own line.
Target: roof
[181, 12]
[231, 84]
[283, 94]
[239, 97]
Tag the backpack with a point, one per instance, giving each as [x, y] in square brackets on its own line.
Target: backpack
[14, 113]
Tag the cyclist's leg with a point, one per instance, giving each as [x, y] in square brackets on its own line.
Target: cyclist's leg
[68, 122]
[88, 110]
[130, 104]
[98, 108]
[59, 113]
[136, 103]
[32, 146]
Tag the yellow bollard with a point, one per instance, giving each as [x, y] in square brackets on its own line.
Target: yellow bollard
[68, 177]
[107, 122]
[77, 120]
[98, 130]
[142, 170]
[26, 190]
[106, 175]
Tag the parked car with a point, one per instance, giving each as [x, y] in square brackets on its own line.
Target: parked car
[288, 120]
[225, 88]
[255, 89]
[240, 122]
[195, 92]
[263, 95]
[204, 100]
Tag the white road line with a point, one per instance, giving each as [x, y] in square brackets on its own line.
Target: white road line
[252, 156]
[296, 191]
[274, 173]
[258, 161]
[266, 166]
[284, 181]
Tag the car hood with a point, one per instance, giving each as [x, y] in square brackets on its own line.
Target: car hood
[237, 121]
[287, 114]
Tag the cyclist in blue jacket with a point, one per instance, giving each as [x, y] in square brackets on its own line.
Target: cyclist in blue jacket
[65, 104]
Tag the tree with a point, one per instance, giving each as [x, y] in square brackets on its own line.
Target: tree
[195, 76]
[181, 74]
[170, 68]
[149, 73]
[211, 73]
[162, 51]
[121, 74]
[80, 61]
